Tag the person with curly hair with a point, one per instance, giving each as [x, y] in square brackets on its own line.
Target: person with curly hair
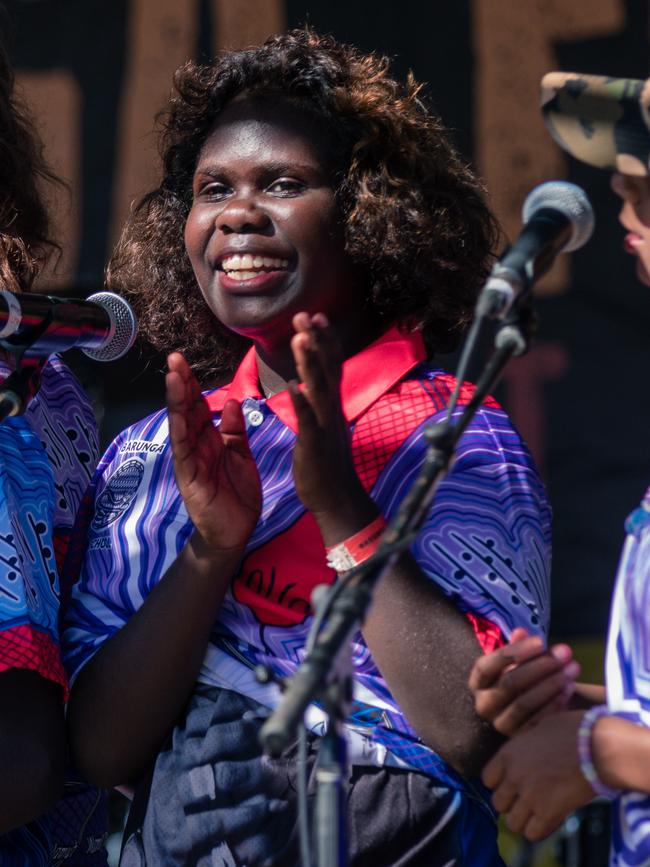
[47, 457]
[313, 233]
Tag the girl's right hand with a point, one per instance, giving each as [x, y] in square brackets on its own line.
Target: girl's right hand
[215, 470]
[518, 684]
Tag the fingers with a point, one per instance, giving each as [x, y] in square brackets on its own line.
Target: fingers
[535, 709]
[232, 420]
[183, 390]
[232, 429]
[525, 816]
[537, 828]
[487, 669]
[317, 355]
[533, 702]
[494, 770]
[518, 815]
[190, 419]
[307, 420]
[521, 682]
[177, 407]
[504, 796]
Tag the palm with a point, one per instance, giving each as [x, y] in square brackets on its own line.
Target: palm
[215, 471]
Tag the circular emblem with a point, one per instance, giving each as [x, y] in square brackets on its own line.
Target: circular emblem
[118, 494]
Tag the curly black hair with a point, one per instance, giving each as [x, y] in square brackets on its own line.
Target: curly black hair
[25, 241]
[414, 217]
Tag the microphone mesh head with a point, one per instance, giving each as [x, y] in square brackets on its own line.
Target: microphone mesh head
[123, 331]
[568, 199]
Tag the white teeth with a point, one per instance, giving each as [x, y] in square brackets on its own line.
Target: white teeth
[243, 275]
[247, 263]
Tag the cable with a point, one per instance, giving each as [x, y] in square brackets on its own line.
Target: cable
[463, 363]
[303, 803]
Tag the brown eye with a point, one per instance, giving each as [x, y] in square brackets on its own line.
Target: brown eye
[212, 191]
[285, 187]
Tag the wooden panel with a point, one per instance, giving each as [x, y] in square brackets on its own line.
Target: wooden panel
[54, 101]
[238, 23]
[513, 45]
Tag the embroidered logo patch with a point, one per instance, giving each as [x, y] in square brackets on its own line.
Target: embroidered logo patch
[118, 494]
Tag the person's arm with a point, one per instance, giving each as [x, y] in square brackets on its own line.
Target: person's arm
[128, 696]
[32, 746]
[620, 751]
[425, 647]
[422, 643]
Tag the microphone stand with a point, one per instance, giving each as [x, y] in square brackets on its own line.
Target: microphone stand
[330, 828]
[19, 387]
[24, 381]
[340, 609]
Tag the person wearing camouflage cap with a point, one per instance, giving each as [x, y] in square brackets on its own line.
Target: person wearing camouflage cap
[605, 122]
[602, 121]
[572, 741]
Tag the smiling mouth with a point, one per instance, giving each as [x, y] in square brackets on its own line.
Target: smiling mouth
[245, 267]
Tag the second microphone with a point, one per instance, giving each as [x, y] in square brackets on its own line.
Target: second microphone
[103, 326]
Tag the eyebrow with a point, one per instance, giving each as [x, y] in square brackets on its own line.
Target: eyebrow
[272, 167]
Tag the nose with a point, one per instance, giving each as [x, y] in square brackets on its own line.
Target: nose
[242, 214]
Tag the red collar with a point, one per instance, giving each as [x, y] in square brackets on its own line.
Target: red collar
[366, 377]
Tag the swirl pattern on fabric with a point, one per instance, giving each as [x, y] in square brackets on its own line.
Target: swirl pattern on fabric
[628, 678]
[485, 543]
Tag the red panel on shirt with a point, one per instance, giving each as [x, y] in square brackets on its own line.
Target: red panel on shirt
[277, 579]
[25, 648]
[386, 426]
[489, 635]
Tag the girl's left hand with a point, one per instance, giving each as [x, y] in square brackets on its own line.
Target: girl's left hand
[324, 473]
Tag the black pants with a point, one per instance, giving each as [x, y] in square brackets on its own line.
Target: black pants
[214, 800]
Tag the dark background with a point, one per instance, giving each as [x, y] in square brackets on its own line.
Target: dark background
[584, 405]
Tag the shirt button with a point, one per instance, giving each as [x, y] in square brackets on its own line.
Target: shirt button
[255, 418]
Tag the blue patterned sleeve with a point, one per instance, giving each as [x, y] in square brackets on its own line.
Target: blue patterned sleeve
[486, 541]
[29, 585]
[46, 458]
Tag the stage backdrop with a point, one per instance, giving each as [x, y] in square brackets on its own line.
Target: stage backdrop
[95, 73]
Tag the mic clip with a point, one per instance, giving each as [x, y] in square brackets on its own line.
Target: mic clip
[20, 387]
[499, 294]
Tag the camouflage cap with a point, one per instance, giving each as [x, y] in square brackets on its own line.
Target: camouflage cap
[600, 120]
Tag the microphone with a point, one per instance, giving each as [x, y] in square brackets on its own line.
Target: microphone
[103, 326]
[558, 218]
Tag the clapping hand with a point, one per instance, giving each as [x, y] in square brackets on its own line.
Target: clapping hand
[324, 473]
[215, 470]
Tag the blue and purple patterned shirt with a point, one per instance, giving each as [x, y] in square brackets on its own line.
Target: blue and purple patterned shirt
[47, 458]
[486, 542]
[628, 678]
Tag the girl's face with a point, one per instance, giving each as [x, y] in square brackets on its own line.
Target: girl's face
[635, 217]
[264, 234]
